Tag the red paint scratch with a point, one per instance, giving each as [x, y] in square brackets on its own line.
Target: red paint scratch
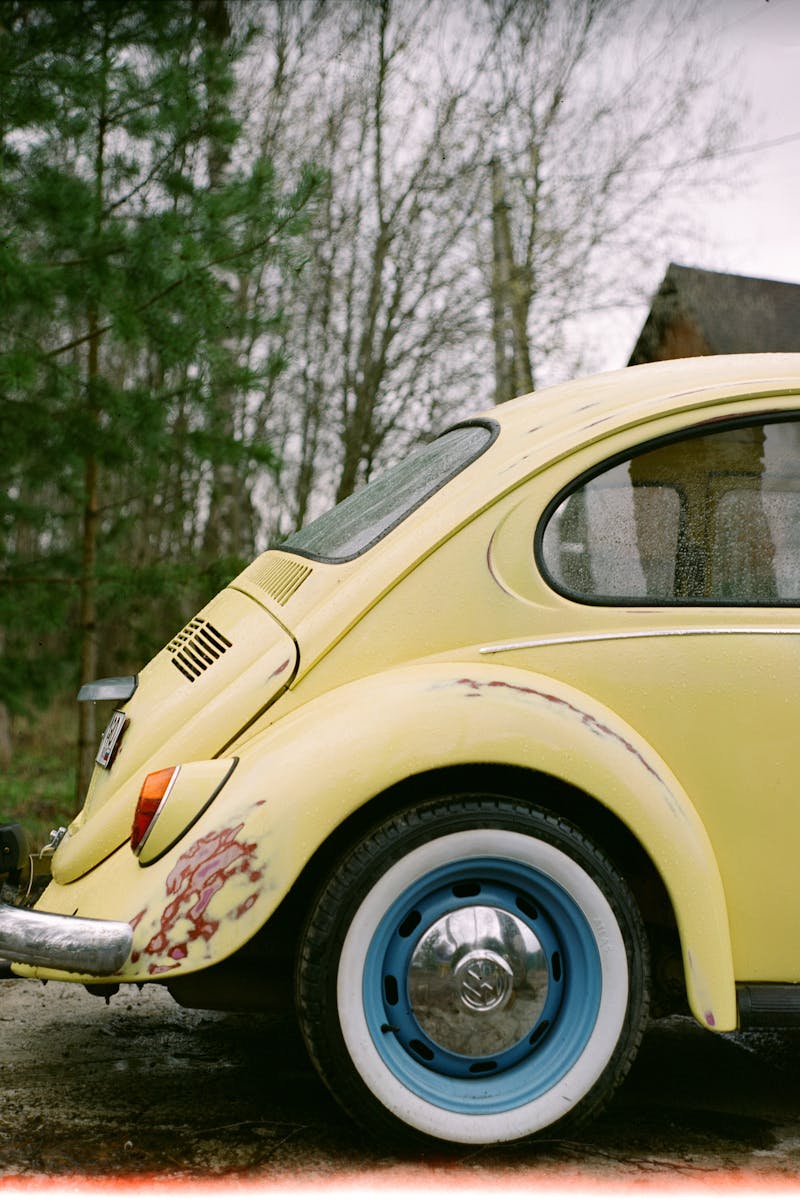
[476, 687]
[279, 670]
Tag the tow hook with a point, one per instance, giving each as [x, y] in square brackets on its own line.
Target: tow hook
[25, 872]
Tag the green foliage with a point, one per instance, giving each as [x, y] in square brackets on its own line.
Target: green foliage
[39, 787]
[136, 335]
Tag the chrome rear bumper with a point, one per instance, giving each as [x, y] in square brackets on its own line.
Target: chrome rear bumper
[78, 944]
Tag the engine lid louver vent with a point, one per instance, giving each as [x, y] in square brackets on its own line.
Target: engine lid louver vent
[279, 577]
[196, 648]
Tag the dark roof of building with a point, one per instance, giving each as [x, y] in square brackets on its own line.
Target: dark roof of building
[728, 314]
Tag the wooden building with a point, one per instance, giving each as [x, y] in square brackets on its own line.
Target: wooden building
[697, 312]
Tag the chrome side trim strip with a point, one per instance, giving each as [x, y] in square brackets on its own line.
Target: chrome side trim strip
[79, 944]
[629, 634]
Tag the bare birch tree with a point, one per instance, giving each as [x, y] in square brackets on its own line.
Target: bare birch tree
[494, 172]
[603, 122]
[384, 312]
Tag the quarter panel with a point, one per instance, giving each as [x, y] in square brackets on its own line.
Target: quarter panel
[299, 780]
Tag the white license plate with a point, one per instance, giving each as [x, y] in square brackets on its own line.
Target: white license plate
[110, 739]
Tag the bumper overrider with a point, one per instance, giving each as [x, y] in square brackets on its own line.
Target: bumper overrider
[80, 944]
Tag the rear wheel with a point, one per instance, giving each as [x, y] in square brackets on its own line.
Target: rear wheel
[474, 972]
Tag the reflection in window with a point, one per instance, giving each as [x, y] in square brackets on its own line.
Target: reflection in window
[710, 519]
[594, 537]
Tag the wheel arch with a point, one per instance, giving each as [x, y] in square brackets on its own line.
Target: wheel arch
[278, 938]
[337, 763]
[542, 791]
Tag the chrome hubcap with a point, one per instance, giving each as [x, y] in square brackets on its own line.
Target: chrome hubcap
[478, 980]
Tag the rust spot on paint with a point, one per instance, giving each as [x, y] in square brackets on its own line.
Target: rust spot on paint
[198, 875]
[137, 954]
[245, 906]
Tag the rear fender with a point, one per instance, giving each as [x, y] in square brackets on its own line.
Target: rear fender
[296, 782]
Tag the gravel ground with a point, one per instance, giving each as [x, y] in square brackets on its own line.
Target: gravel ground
[143, 1091]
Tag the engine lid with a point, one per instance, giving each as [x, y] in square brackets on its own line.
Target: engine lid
[212, 680]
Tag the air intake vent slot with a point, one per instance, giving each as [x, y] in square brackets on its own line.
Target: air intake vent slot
[279, 577]
[196, 648]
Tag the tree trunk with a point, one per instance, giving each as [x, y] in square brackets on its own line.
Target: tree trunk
[87, 724]
[6, 742]
[510, 302]
[501, 274]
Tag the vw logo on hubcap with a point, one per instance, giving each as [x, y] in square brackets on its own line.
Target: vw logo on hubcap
[484, 981]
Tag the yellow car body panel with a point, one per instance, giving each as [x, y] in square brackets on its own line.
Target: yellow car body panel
[369, 735]
[443, 644]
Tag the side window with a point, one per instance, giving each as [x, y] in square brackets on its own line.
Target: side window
[711, 519]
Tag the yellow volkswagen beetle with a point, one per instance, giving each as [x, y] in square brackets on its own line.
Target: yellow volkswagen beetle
[483, 766]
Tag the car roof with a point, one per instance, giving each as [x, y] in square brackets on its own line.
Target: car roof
[540, 427]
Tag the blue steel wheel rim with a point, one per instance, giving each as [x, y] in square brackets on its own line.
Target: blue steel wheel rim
[534, 1065]
[427, 910]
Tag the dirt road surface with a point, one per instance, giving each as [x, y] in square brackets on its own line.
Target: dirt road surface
[142, 1090]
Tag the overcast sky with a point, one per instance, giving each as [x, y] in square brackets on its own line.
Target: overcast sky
[759, 230]
[756, 229]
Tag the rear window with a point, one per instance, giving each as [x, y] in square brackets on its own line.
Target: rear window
[365, 517]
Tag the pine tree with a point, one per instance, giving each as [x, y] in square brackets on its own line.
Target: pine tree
[129, 218]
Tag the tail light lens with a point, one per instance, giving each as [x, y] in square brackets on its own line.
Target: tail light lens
[155, 790]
